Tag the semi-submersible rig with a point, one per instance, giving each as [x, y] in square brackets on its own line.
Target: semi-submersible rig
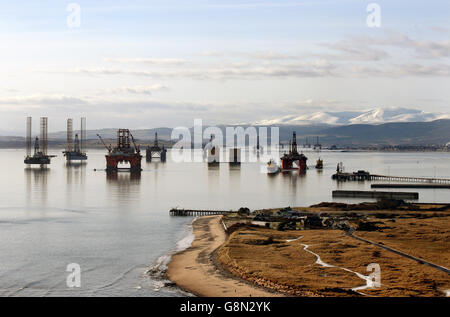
[123, 153]
[288, 159]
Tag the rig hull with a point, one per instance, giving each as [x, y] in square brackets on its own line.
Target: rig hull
[75, 156]
[112, 162]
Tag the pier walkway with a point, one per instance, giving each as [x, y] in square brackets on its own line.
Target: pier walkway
[420, 185]
[196, 212]
[374, 194]
[366, 176]
[411, 179]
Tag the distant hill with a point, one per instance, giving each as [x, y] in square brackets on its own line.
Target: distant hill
[373, 116]
[360, 135]
[412, 133]
[143, 134]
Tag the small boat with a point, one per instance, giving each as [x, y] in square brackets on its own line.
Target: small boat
[319, 164]
[272, 167]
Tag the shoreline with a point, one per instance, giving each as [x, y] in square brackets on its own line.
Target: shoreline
[194, 269]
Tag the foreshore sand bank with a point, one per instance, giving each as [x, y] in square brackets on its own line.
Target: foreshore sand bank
[260, 261]
[194, 270]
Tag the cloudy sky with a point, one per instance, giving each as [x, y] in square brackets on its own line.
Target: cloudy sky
[142, 64]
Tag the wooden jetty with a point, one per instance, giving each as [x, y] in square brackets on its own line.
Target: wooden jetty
[196, 212]
[374, 194]
[366, 176]
[423, 185]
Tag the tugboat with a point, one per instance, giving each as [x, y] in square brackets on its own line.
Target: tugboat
[319, 164]
[272, 167]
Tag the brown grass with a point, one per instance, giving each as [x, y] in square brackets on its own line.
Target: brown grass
[288, 268]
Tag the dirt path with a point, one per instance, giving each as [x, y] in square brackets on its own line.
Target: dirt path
[421, 261]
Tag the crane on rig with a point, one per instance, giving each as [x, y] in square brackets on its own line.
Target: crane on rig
[134, 143]
[107, 147]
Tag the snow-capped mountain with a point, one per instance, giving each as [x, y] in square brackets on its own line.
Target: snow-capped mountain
[374, 116]
[396, 115]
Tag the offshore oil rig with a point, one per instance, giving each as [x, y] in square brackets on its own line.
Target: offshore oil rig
[155, 151]
[288, 159]
[307, 144]
[75, 148]
[123, 153]
[317, 146]
[212, 152]
[40, 156]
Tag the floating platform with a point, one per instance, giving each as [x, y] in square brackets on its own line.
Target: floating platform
[374, 194]
[429, 186]
[196, 212]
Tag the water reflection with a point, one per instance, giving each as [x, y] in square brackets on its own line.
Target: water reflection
[234, 177]
[123, 177]
[75, 173]
[155, 165]
[75, 164]
[214, 179]
[235, 168]
[36, 180]
[124, 188]
[290, 179]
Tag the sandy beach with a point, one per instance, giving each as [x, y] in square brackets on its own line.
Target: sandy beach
[194, 271]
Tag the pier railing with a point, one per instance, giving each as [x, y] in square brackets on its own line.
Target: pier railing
[411, 179]
[196, 212]
[366, 176]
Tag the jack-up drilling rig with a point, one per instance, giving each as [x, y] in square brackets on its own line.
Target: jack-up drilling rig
[40, 156]
[75, 149]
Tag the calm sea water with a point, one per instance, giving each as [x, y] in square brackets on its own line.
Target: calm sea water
[116, 228]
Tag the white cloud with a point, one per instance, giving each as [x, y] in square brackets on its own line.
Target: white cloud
[42, 100]
[355, 56]
[240, 71]
[307, 69]
[144, 90]
[421, 48]
[147, 61]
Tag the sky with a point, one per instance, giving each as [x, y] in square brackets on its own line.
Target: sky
[145, 64]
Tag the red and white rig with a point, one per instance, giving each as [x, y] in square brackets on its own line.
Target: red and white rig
[288, 159]
[123, 152]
